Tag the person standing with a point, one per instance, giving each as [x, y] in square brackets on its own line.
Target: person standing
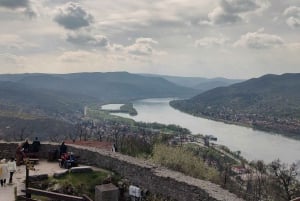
[12, 168]
[26, 146]
[36, 145]
[4, 172]
[19, 155]
[62, 148]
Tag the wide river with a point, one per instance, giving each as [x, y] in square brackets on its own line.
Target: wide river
[253, 144]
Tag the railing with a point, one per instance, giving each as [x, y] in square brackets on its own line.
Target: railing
[53, 195]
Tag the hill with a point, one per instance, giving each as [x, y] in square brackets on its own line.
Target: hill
[106, 87]
[199, 83]
[35, 99]
[271, 102]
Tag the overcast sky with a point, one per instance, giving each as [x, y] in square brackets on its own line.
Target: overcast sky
[228, 38]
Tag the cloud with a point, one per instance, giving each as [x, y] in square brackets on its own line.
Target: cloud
[23, 6]
[11, 62]
[15, 4]
[259, 40]
[86, 39]
[146, 40]
[211, 41]
[232, 11]
[238, 6]
[72, 16]
[12, 41]
[76, 56]
[220, 16]
[293, 16]
[142, 46]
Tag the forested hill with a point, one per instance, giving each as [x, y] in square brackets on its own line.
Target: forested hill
[114, 87]
[15, 97]
[199, 83]
[66, 94]
[271, 102]
[45, 104]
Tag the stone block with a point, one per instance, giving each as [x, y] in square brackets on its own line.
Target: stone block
[39, 177]
[81, 169]
[60, 173]
[106, 192]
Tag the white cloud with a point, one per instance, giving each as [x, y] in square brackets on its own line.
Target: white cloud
[141, 47]
[293, 16]
[87, 35]
[232, 11]
[259, 40]
[211, 41]
[86, 39]
[77, 56]
[12, 63]
[220, 16]
[12, 41]
[146, 40]
[73, 16]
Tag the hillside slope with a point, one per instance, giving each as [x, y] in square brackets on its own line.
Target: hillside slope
[199, 83]
[106, 87]
[271, 102]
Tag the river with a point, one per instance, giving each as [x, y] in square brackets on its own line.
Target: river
[253, 144]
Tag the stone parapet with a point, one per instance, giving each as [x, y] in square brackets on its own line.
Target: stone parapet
[141, 173]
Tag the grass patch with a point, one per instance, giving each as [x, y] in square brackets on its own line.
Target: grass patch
[183, 160]
[81, 183]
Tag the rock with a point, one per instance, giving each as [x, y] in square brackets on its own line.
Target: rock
[81, 169]
[39, 177]
[60, 173]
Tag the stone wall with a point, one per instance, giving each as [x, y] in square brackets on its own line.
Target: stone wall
[141, 173]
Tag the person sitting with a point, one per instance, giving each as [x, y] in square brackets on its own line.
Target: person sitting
[36, 145]
[67, 160]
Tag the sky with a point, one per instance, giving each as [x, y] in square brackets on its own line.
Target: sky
[216, 38]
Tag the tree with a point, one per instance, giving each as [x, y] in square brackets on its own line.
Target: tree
[257, 185]
[285, 176]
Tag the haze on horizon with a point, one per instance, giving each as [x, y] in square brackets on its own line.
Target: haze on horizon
[217, 38]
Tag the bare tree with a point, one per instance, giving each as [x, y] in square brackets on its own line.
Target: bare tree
[285, 177]
[257, 182]
[22, 135]
[73, 135]
[99, 133]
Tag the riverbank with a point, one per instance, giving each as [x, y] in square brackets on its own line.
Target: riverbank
[276, 128]
[253, 144]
